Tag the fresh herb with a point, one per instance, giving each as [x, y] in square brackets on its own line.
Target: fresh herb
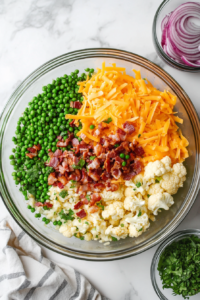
[148, 195]
[122, 225]
[68, 216]
[140, 213]
[56, 198]
[73, 185]
[34, 172]
[158, 179]
[113, 238]
[134, 189]
[140, 229]
[81, 238]
[179, 267]
[139, 135]
[76, 228]
[87, 223]
[138, 184]
[80, 165]
[54, 194]
[108, 120]
[99, 204]
[97, 236]
[32, 190]
[63, 193]
[144, 79]
[79, 219]
[87, 197]
[92, 157]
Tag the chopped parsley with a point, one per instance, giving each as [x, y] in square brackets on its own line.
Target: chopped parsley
[140, 213]
[148, 195]
[81, 238]
[68, 216]
[79, 219]
[158, 179]
[92, 157]
[56, 198]
[87, 197]
[134, 189]
[179, 267]
[108, 120]
[80, 165]
[87, 223]
[139, 135]
[114, 239]
[97, 236]
[122, 225]
[138, 184]
[140, 229]
[99, 204]
[63, 194]
[73, 185]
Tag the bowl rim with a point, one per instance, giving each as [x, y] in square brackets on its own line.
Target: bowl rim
[159, 49]
[172, 238]
[186, 102]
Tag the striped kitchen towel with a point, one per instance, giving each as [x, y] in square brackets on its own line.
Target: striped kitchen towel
[26, 275]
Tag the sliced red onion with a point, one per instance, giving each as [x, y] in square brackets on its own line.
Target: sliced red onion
[181, 36]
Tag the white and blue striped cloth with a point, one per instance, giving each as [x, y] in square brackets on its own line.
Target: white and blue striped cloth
[26, 275]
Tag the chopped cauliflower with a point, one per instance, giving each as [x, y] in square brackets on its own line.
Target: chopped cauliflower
[67, 229]
[155, 188]
[160, 200]
[115, 196]
[157, 168]
[138, 224]
[133, 203]
[173, 180]
[114, 210]
[117, 232]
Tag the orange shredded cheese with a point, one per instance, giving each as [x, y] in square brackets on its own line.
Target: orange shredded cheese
[111, 93]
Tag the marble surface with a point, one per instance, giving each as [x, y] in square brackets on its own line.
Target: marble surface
[34, 31]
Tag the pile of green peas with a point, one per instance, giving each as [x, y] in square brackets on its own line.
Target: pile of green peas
[42, 121]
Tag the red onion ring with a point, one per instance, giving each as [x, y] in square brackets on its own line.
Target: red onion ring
[181, 36]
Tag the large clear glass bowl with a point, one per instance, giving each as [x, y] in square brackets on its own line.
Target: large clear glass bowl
[166, 294]
[47, 235]
[166, 7]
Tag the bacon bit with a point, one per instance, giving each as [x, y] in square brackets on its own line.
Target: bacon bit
[139, 151]
[38, 204]
[128, 127]
[55, 183]
[94, 174]
[63, 180]
[52, 178]
[76, 175]
[106, 176]
[102, 141]
[129, 175]
[107, 165]
[111, 154]
[78, 205]
[85, 201]
[137, 166]
[37, 147]
[97, 132]
[111, 187]
[61, 144]
[59, 137]
[75, 142]
[93, 209]
[72, 123]
[32, 150]
[49, 205]
[95, 164]
[114, 138]
[77, 104]
[95, 197]
[121, 134]
[61, 169]
[51, 154]
[116, 173]
[57, 153]
[98, 187]
[125, 145]
[54, 161]
[71, 104]
[101, 126]
[81, 214]
[82, 136]
[60, 185]
[31, 155]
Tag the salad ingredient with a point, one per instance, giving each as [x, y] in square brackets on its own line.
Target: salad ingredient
[181, 34]
[158, 201]
[134, 110]
[179, 267]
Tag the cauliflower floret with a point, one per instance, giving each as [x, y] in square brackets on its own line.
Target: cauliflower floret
[116, 195]
[155, 189]
[117, 232]
[138, 224]
[157, 168]
[82, 226]
[114, 210]
[173, 180]
[160, 200]
[88, 236]
[133, 203]
[65, 229]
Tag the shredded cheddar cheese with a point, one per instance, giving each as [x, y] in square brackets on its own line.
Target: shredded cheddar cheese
[112, 94]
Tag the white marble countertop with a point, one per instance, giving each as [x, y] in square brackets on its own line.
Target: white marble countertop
[34, 31]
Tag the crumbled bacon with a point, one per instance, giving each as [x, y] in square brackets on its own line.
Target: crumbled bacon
[121, 134]
[75, 142]
[59, 137]
[48, 204]
[95, 197]
[57, 153]
[54, 161]
[78, 205]
[81, 214]
[111, 187]
[94, 174]
[95, 164]
[93, 209]
[31, 155]
[128, 127]
[52, 178]
[38, 204]
[60, 185]
[63, 180]
[139, 151]
[77, 104]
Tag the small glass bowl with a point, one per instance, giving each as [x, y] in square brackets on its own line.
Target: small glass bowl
[166, 294]
[164, 9]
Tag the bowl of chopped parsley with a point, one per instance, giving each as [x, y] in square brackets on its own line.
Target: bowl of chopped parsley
[175, 268]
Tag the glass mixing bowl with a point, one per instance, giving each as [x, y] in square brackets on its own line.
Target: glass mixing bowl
[46, 235]
[164, 9]
[166, 294]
